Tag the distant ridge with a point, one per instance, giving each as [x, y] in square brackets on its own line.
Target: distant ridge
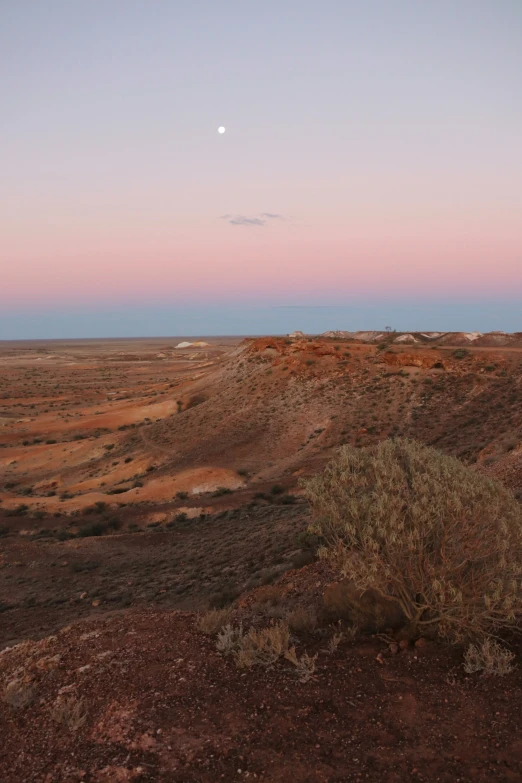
[476, 339]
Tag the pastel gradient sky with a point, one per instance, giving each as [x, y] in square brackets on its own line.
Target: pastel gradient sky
[371, 170]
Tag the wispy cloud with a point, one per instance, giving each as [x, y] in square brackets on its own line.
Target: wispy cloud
[243, 220]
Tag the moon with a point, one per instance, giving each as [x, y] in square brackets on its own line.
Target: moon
[221, 129]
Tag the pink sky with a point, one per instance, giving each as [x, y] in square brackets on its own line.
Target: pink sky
[388, 144]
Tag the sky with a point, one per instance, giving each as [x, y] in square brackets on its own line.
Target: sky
[370, 173]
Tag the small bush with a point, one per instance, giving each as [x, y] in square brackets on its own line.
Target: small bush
[305, 665]
[460, 353]
[211, 622]
[182, 495]
[18, 694]
[302, 620]
[333, 643]
[302, 559]
[63, 535]
[19, 511]
[196, 399]
[269, 594]
[420, 528]
[69, 712]
[229, 639]
[221, 491]
[263, 647]
[488, 657]
[96, 529]
[277, 489]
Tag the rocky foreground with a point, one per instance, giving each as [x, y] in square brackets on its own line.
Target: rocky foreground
[147, 697]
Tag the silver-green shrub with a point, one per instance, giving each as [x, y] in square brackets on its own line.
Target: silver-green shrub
[420, 527]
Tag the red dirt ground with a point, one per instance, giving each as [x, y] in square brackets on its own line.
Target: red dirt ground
[162, 705]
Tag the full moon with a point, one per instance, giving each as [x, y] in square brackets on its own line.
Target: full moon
[221, 129]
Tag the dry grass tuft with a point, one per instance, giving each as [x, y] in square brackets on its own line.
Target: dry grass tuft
[263, 647]
[229, 639]
[70, 712]
[18, 694]
[268, 594]
[488, 657]
[302, 620]
[333, 643]
[212, 621]
[304, 666]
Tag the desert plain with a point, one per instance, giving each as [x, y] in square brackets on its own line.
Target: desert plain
[145, 482]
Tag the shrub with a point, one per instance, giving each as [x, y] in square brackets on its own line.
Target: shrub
[182, 495]
[489, 658]
[304, 666]
[195, 400]
[63, 535]
[221, 491]
[229, 639]
[19, 511]
[268, 594]
[302, 620]
[277, 489]
[69, 712]
[96, 529]
[333, 643]
[18, 694]
[420, 528]
[303, 558]
[460, 353]
[211, 622]
[263, 647]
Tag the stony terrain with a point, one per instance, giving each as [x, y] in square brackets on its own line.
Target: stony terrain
[138, 478]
